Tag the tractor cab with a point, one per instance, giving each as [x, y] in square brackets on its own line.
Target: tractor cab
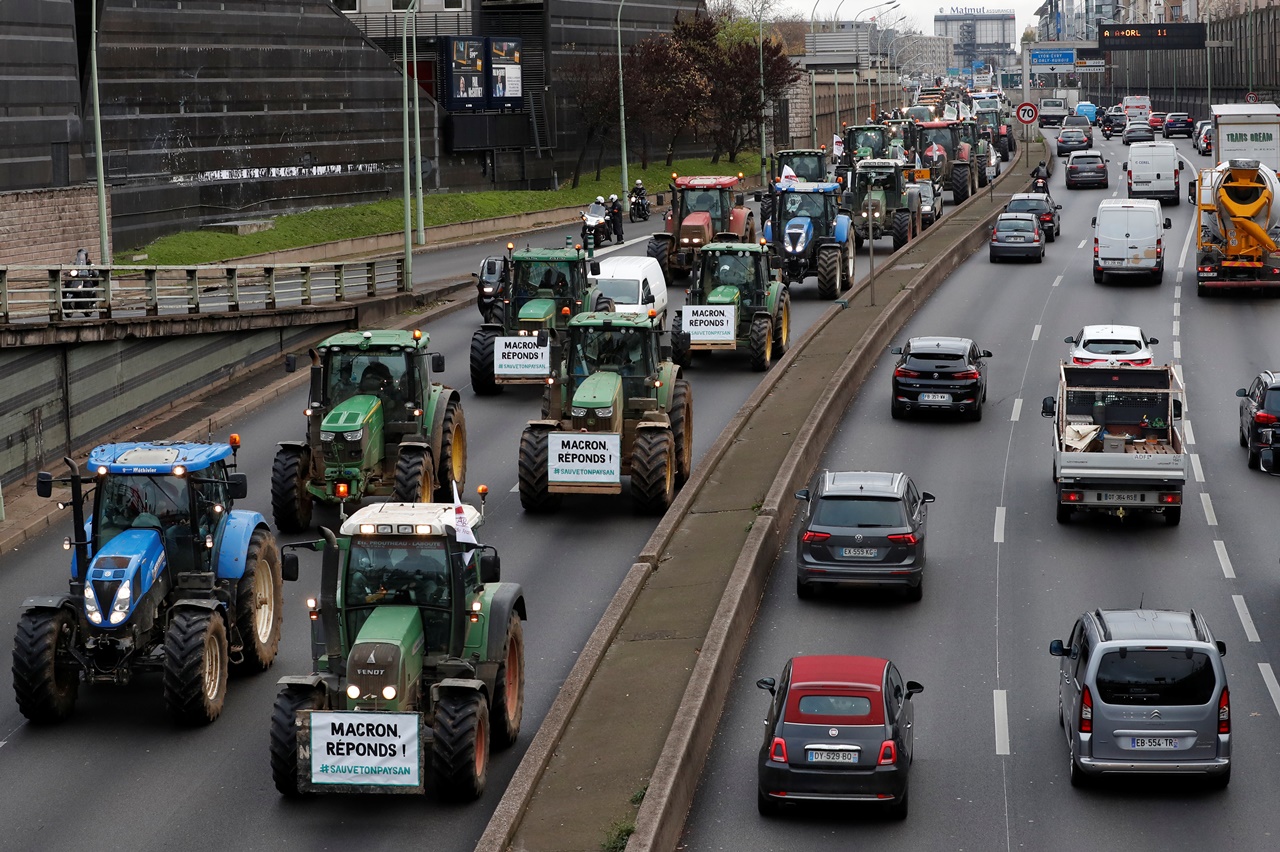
[938, 143]
[900, 139]
[544, 284]
[611, 366]
[867, 141]
[734, 277]
[803, 165]
[883, 178]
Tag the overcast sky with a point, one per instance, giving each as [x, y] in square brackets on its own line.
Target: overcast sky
[916, 11]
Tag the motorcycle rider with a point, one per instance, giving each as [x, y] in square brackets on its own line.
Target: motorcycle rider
[615, 216]
[640, 196]
[1040, 171]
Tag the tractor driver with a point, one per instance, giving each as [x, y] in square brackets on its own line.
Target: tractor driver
[733, 272]
[803, 204]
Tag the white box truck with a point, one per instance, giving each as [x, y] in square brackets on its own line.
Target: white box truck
[1247, 132]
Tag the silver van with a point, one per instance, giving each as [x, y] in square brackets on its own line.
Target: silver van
[1144, 691]
[1153, 170]
[1128, 239]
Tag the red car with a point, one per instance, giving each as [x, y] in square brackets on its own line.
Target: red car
[1156, 121]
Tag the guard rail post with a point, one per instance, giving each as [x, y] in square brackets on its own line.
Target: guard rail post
[55, 286]
[104, 281]
[306, 284]
[233, 288]
[371, 276]
[193, 291]
[153, 291]
[340, 283]
[269, 274]
[4, 296]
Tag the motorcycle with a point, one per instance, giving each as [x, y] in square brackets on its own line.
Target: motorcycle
[595, 221]
[1106, 131]
[81, 279]
[491, 284]
[639, 207]
[1040, 185]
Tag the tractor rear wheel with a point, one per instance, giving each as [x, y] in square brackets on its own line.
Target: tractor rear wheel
[959, 182]
[660, 250]
[508, 687]
[680, 353]
[46, 679]
[259, 604]
[782, 325]
[1003, 146]
[604, 303]
[290, 500]
[532, 465]
[901, 228]
[847, 270]
[482, 379]
[452, 465]
[195, 666]
[653, 471]
[761, 339]
[284, 736]
[415, 476]
[460, 745]
[682, 428]
[828, 271]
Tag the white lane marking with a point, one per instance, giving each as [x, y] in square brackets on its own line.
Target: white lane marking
[1186, 428]
[1224, 560]
[1115, 193]
[1177, 350]
[1177, 291]
[1177, 371]
[1250, 632]
[515, 488]
[1177, 309]
[999, 524]
[1177, 327]
[1209, 516]
[1269, 678]
[1002, 720]
[1186, 244]
[1196, 468]
[1082, 242]
[1035, 333]
[1179, 276]
[1017, 410]
[1057, 281]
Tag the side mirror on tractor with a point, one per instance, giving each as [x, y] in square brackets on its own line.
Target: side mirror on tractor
[490, 566]
[238, 485]
[289, 566]
[437, 362]
[44, 484]
[775, 262]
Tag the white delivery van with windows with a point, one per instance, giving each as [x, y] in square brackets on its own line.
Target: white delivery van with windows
[1128, 239]
[635, 284]
[1153, 170]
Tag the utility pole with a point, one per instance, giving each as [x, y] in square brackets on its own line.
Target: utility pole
[417, 134]
[104, 248]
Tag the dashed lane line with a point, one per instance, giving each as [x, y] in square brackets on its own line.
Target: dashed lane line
[1002, 720]
[1209, 516]
[1269, 678]
[1017, 410]
[1177, 327]
[1082, 242]
[1177, 350]
[1246, 621]
[1186, 429]
[1057, 281]
[1177, 291]
[515, 488]
[999, 536]
[1196, 467]
[1177, 309]
[1224, 560]
[1035, 333]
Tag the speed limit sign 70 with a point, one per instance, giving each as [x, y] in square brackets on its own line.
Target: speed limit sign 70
[1027, 112]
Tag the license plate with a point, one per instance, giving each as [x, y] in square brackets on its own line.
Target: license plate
[1121, 497]
[833, 757]
[935, 397]
[1142, 183]
[1016, 239]
[1106, 262]
[858, 551]
[1153, 742]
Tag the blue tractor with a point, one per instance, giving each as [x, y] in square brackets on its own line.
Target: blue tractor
[811, 234]
[165, 577]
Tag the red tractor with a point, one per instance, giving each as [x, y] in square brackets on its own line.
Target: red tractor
[703, 210]
[945, 152]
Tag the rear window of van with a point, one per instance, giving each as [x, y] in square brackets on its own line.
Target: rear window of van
[1168, 677]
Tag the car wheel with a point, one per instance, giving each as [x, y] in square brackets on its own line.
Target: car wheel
[804, 591]
[1078, 778]
[916, 593]
[897, 412]
[767, 805]
[1255, 459]
[898, 810]
[1244, 442]
[994, 259]
[1220, 782]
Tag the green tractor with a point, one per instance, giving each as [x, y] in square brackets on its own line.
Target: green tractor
[737, 303]
[883, 204]
[999, 125]
[417, 654]
[982, 151]
[377, 426]
[542, 288]
[865, 141]
[617, 408]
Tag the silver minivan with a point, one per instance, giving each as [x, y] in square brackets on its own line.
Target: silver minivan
[1144, 691]
[1128, 239]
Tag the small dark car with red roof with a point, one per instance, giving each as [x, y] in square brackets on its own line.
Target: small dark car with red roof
[839, 730]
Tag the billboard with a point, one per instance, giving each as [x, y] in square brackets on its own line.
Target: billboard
[463, 83]
[506, 86]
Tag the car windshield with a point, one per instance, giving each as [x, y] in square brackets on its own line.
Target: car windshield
[873, 139]
[1027, 205]
[859, 512]
[940, 136]
[1125, 224]
[702, 201]
[624, 291]
[140, 501]
[413, 571]
[1099, 346]
[1173, 676]
[1014, 225]
[1075, 135]
[1086, 161]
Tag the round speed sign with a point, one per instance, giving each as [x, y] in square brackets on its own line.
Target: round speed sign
[1251, 98]
[1027, 112]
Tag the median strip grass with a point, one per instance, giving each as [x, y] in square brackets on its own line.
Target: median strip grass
[313, 227]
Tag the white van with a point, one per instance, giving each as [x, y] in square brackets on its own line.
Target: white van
[634, 283]
[1154, 171]
[1128, 239]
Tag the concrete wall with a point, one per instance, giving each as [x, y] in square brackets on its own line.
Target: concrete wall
[42, 226]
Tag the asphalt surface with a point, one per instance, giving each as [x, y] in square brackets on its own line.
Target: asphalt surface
[1004, 578]
[120, 762]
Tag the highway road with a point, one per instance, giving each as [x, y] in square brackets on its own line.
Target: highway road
[1004, 578]
[119, 775]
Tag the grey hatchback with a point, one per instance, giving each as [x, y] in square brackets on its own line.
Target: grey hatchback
[862, 528]
[1144, 691]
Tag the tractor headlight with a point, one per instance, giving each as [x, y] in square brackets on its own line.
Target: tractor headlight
[124, 598]
[684, 241]
[326, 436]
[578, 412]
[353, 436]
[91, 610]
[353, 692]
[604, 412]
[389, 693]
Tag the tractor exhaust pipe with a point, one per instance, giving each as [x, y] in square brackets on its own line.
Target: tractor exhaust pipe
[329, 579]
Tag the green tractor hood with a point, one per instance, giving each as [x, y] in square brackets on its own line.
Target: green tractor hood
[387, 652]
[394, 625]
[361, 410]
[598, 390]
[538, 310]
[725, 294]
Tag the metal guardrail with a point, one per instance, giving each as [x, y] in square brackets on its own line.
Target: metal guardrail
[49, 293]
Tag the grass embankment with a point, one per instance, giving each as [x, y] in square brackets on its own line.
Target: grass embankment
[384, 217]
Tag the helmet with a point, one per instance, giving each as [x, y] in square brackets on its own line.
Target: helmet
[639, 183]
[613, 197]
[1042, 162]
[600, 198]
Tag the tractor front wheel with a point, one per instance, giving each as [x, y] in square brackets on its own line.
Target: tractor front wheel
[782, 324]
[653, 471]
[761, 339]
[901, 228]
[680, 353]
[959, 182]
[532, 464]
[508, 687]
[415, 476]
[259, 604]
[290, 500]
[482, 378]
[682, 428]
[660, 250]
[452, 465]
[195, 666]
[460, 745]
[497, 313]
[46, 679]
[828, 271]
[284, 736]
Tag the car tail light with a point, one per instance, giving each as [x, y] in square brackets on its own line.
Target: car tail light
[1171, 498]
[889, 752]
[1073, 168]
[1072, 496]
[1142, 362]
[778, 751]
[967, 375]
[1159, 247]
[904, 373]
[1095, 247]
[1175, 175]
[1035, 235]
[1224, 712]
[995, 238]
[1265, 418]
[1086, 712]
[811, 537]
[903, 538]
[1082, 362]
[1046, 217]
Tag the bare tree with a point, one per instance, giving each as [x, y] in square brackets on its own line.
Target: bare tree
[590, 82]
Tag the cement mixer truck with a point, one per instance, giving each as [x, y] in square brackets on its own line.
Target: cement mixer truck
[1238, 210]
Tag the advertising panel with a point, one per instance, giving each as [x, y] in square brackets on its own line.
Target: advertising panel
[506, 84]
[463, 84]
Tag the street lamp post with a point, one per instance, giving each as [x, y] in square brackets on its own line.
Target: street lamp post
[417, 134]
[622, 108]
[407, 281]
[104, 254]
[813, 82]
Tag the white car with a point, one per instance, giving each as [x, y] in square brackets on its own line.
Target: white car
[635, 283]
[1110, 346]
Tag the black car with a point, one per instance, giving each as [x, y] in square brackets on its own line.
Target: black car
[939, 374]
[1260, 420]
[1042, 206]
[1177, 124]
[862, 528]
[1137, 131]
[1087, 168]
[1072, 139]
[1079, 122]
[839, 729]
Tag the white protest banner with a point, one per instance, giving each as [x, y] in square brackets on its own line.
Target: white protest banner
[517, 357]
[709, 323]
[369, 749]
[584, 458]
